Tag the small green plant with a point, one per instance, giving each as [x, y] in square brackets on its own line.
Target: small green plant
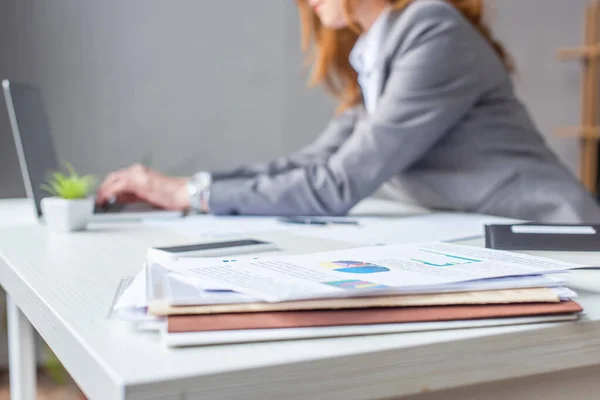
[69, 186]
[55, 369]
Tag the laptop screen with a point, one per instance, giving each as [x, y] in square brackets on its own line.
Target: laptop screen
[32, 137]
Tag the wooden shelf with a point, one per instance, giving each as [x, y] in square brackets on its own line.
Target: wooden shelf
[589, 131]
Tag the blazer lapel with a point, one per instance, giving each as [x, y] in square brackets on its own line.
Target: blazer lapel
[387, 50]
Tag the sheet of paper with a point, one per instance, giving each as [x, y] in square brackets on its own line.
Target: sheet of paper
[564, 293]
[536, 295]
[186, 291]
[180, 289]
[367, 270]
[183, 290]
[370, 231]
[414, 229]
[215, 226]
[135, 295]
[211, 226]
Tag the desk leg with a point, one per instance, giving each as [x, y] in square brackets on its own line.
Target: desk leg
[21, 353]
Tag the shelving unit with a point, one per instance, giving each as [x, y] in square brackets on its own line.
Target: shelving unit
[589, 130]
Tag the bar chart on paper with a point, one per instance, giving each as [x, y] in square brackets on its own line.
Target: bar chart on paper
[436, 259]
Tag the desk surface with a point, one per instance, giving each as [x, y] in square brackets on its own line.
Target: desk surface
[65, 284]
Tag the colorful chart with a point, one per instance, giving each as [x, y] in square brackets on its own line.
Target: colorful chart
[355, 284]
[355, 267]
[435, 259]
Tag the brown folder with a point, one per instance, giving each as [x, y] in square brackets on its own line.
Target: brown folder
[317, 318]
[532, 295]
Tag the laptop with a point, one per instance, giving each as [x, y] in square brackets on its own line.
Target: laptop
[37, 156]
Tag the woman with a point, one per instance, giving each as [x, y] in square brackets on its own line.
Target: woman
[427, 113]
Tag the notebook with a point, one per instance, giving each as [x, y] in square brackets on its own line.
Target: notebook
[543, 237]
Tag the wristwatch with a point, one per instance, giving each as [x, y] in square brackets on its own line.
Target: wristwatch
[199, 191]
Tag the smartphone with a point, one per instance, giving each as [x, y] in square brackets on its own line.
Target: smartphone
[213, 249]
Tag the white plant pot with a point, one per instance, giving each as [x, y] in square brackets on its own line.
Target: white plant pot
[62, 215]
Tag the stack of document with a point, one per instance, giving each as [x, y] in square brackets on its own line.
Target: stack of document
[369, 290]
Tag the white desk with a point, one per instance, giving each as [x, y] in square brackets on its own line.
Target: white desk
[64, 284]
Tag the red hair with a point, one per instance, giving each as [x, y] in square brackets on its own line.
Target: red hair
[329, 50]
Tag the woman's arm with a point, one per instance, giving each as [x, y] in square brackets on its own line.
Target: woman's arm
[432, 84]
[138, 183]
[335, 134]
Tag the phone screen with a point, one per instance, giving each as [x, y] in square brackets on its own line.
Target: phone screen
[211, 246]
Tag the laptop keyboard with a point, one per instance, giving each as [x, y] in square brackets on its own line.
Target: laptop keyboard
[111, 208]
[107, 208]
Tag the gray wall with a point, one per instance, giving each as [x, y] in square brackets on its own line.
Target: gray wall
[211, 84]
[199, 84]
[533, 31]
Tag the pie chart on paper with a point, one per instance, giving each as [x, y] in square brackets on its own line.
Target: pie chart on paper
[355, 267]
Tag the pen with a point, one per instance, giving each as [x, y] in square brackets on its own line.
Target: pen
[317, 221]
[342, 222]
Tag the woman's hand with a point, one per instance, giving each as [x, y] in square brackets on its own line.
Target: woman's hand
[139, 183]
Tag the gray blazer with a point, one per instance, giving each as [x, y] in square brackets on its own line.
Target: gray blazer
[447, 133]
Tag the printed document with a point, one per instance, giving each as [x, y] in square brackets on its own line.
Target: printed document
[365, 271]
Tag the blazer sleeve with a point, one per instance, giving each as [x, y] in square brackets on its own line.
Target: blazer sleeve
[431, 86]
[317, 152]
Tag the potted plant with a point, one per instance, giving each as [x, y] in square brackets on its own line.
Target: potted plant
[70, 205]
